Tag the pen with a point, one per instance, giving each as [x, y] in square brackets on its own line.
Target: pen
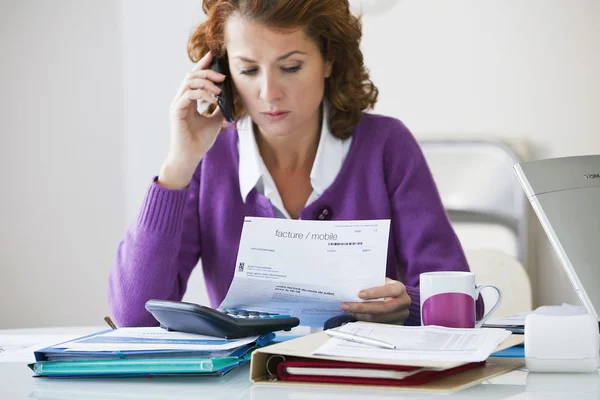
[110, 323]
[360, 339]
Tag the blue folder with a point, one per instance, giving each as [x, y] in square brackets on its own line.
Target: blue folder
[58, 353]
[517, 351]
[56, 362]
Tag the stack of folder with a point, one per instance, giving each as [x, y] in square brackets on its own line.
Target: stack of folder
[303, 361]
[145, 352]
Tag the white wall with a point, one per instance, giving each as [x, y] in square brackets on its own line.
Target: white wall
[155, 61]
[155, 58]
[61, 152]
[506, 68]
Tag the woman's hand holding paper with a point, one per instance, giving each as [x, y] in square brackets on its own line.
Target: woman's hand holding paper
[393, 308]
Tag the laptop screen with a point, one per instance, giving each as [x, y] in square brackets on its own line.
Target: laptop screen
[565, 195]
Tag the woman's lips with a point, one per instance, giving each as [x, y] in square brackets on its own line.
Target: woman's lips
[276, 115]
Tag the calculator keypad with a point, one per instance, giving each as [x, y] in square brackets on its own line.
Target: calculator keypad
[236, 313]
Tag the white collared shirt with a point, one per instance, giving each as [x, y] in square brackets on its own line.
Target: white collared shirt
[253, 173]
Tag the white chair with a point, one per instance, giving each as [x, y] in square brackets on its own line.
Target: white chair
[480, 192]
[504, 271]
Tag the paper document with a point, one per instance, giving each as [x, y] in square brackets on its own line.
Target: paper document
[432, 343]
[20, 348]
[154, 338]
[519, 319]
[307, 268]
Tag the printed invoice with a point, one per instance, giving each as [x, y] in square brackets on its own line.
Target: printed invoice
[307, 268]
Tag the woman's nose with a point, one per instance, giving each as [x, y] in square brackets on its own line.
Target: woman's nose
[271, 90]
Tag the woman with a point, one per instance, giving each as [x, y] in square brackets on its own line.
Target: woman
[302, 147]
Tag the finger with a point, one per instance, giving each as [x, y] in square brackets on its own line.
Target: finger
[180, 106]
[204, 62]
[375, 307]
[397, 317]
[391, 289]
[208, 76]
[205, 84]
[217, 114]
[201, 95]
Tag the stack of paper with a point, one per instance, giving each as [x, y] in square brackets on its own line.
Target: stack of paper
[431, 343]
[19, 348]
[425, 358]
[145, 351]
[516, 322]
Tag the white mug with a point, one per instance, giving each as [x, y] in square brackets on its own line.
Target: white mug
[448, 299]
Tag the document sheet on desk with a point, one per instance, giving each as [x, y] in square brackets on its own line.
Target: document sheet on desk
[153, 338]
[432, 343]
[307, 268]
[20, 348]
[553, 310]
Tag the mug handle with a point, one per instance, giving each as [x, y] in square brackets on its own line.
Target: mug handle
[489, 313]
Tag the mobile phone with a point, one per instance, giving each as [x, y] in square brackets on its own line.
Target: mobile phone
[225, 98]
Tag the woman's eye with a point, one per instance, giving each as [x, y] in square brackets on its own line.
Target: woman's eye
[254, 71]
[291, 69]
[249, 71]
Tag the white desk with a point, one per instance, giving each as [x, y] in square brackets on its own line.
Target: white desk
[17, 382]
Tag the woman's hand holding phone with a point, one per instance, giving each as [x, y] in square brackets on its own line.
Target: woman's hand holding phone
[192, 134]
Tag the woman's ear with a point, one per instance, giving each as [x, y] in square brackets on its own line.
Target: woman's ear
[328, 68]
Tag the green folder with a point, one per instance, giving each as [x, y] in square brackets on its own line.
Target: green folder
[136, 366]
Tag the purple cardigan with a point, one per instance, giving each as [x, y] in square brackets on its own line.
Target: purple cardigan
[384, 176]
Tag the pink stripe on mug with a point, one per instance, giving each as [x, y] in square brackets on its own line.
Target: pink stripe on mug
[448, 299]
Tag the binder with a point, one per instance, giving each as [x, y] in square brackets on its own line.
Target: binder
[348, 372]
[57, 352]
[58, 362]
[145, 367]
[264, 362]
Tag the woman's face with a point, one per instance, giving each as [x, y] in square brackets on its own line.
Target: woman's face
[279, 76]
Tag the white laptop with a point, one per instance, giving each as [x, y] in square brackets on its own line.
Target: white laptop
[565, 195]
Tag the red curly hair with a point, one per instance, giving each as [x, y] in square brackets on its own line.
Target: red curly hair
[328, 22]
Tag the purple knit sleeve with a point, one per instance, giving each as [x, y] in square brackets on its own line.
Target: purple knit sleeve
[424, 238]
[157, 255]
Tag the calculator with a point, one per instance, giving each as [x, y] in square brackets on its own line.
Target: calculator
[227, 323]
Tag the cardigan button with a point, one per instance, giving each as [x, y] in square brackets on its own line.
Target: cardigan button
[324, 214]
